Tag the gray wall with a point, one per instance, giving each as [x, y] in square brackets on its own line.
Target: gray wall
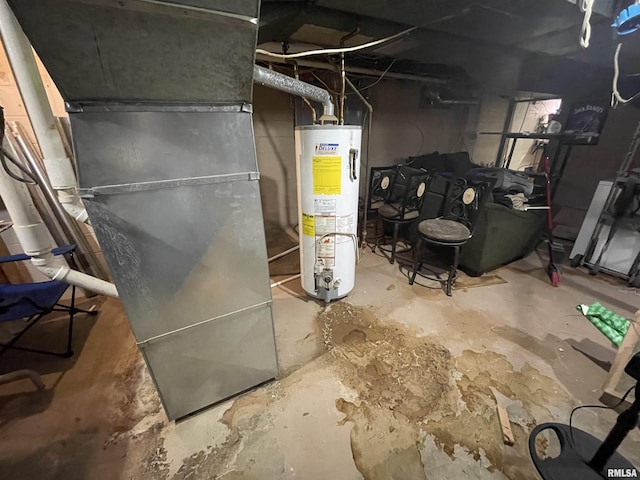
[489, 117]
[273, 126]
[402, 129]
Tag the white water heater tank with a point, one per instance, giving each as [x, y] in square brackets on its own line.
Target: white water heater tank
[328, 170]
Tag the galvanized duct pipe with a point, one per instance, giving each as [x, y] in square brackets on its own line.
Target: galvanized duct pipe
[305, 100]
[282, 82]
[25, 70]
[36, 242]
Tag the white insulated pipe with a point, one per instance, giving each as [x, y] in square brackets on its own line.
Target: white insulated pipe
[285, 83]
[23, 64]
[56, 271]
[36, 240]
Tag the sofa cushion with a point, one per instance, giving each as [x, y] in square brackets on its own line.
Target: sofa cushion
[459, 162]
[501, 236]
[431, 162]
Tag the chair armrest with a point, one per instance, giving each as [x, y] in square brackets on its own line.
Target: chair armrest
[20, 257]
[64, 249]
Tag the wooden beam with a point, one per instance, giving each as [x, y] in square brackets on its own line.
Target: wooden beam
[505, 426]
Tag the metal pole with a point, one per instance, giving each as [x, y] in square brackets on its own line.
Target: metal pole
[42, 205]
[85, 257]
[365, 213]
[513, 147]
[282, 254]
[560, 173]
[363, 71]
[286, 280]
[505, 129]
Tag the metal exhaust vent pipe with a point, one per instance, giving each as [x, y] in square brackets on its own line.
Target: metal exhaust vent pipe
[282, 82]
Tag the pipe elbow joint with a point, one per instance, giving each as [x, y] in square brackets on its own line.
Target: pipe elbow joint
[74, 209]
[79, 213]
[62, 273]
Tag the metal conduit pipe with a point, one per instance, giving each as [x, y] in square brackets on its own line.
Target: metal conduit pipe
[343, 75]
[358, 70]
[54, 227]
[36, 241]
[282, 82]
[85, 256]
[34, 96]
[284, 254]
[286, 280]
[365, 216]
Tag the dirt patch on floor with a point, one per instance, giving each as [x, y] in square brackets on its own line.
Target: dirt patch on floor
[406, 388]
[248, 421]
[133, 397]
[409, 385]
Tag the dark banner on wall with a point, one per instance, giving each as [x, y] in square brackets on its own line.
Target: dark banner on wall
[585, 123]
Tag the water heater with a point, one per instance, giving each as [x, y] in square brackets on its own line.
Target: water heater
[328, 167]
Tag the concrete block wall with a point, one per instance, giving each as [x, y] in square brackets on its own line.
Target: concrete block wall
[273, 124]
[491, 114]
[401, 128]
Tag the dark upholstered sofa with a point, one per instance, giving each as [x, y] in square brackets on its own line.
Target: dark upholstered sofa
[501, 234]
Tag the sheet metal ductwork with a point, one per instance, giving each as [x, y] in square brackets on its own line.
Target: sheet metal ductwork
[159, 98]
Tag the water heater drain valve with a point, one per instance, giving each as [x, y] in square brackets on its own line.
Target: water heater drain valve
[324, 278]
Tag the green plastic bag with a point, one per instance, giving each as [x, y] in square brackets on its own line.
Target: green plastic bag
[612, 325]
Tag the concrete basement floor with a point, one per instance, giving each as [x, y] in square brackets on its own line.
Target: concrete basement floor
[394, 382]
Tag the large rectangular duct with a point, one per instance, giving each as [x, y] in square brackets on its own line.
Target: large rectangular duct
[158, 95]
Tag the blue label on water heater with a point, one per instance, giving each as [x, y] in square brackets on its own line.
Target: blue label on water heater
[326, 148]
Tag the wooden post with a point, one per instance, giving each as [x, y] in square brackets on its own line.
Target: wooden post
[629, 346]
[11, 272]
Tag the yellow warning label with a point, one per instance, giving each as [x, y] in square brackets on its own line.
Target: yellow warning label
[327, 175]
[308, 225]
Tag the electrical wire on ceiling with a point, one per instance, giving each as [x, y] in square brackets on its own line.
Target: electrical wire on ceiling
[616, 98]
[381, 76]
[326, 51]
[586, 6]
[329, 89]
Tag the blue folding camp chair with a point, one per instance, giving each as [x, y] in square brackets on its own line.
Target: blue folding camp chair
[34, 301]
